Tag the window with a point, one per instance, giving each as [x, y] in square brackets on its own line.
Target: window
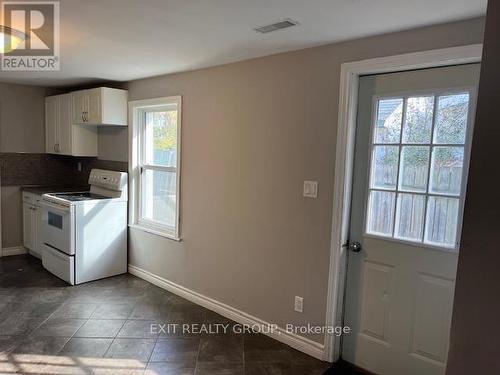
[417, 169]
[155, 164]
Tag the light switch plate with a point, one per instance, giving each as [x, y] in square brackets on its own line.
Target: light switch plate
[310, 189]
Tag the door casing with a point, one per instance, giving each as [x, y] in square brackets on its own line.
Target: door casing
[344, 161]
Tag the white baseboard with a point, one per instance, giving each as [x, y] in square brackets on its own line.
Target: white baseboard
[295, 341]
[15, 250]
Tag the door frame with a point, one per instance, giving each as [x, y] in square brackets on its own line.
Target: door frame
[344, 161]
[1, 246]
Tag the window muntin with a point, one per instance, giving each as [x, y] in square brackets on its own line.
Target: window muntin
[418, 148]
[158, 152]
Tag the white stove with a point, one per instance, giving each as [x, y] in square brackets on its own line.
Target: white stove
[85, 233]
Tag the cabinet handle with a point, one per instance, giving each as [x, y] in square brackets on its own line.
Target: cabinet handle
[55, 148]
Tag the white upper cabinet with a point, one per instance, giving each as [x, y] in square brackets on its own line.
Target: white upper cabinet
[61, 135]
[100, 106]
[65, 129]
[79, 99]
[51, 123]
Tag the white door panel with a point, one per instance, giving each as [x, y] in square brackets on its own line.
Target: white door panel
[376, 303]
[434, 297]
[400, 286]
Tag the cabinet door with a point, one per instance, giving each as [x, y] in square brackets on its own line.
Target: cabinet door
[27, 226]
[65, 123]
[36, 230]
[79, 99]
[94, 106]
[51, 119]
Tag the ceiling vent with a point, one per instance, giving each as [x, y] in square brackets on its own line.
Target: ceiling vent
[284, 24]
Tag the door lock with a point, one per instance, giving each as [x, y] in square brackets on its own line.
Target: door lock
[353, 246]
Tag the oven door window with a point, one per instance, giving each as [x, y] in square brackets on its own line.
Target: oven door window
[55, 220]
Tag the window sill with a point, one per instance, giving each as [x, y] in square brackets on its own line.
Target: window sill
[155, 232]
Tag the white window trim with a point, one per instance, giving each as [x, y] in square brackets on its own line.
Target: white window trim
[135, 127]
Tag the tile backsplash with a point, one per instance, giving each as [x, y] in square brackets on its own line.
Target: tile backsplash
[18, 169]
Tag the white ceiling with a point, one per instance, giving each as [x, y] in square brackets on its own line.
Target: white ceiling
[127, 39]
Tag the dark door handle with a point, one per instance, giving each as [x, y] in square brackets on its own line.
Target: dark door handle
[353, 246]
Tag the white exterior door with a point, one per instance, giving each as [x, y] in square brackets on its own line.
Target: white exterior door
[412, 149]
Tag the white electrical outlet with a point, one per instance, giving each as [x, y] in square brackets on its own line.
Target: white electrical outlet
[299, 304]
[310, 189]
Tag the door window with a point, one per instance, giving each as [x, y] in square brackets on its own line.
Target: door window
[418, 153]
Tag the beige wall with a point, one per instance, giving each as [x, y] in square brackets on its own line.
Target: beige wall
[252, 133]
[112, 143]
[22, 129]
[22, 118]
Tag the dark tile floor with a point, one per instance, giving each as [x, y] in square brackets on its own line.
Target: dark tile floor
[104, 327]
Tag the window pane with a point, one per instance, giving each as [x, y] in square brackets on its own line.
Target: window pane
[442, 218]
[451, 120]
[388, 122]
[410, 216]
[159, 197]
[384, 167]
[414, 168]
[161, 138]
[447, 165]
[418, 122]
[380, 213]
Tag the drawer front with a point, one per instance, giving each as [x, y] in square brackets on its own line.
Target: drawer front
[59, 264]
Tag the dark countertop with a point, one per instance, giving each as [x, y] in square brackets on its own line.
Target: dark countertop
[40, 190]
